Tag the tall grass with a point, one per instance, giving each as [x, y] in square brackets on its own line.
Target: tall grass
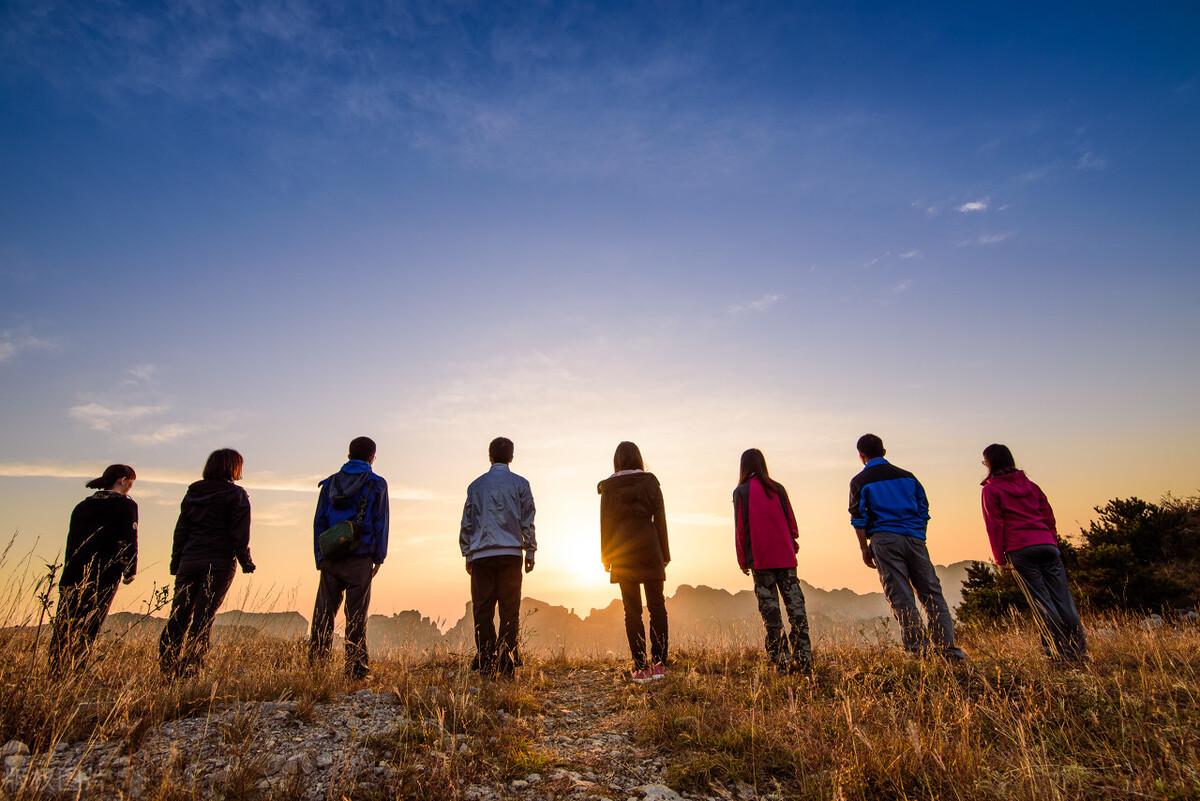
[872, 723]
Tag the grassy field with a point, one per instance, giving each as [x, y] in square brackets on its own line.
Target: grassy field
[871, 723]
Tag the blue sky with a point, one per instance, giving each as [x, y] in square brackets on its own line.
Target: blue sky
[280, 225]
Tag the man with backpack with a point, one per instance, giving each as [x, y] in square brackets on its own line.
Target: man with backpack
[350, 538]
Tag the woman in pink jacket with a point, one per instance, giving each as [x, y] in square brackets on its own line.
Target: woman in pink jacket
[765, 538]
[1021, 527]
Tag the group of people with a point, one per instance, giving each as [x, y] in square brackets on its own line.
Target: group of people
[889, 512]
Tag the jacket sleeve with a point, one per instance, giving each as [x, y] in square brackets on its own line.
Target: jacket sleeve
[605, 533]
[129, 541]
[528, 531]
[381, 521]
[858, 506]
[466, 529]
[741, 530]
[993, 518]
[320, 521]
[922, 500]
[660, 523]
[239, 530]
[1047, 512]
[182, 534]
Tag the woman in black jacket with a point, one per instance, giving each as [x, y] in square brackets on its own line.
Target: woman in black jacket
[101, 552]
[213, 533]
[634, 550]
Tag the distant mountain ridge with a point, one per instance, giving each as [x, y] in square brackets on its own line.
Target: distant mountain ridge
[698, 615]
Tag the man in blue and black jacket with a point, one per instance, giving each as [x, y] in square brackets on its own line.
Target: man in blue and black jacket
[357, 494]
[889, 512]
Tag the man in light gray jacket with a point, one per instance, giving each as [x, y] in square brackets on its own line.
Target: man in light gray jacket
[497, 530]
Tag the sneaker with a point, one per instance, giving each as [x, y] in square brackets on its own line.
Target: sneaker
[658, 671]
[641, 675]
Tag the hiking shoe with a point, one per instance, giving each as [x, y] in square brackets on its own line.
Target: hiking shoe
[641, 675]
[658, 671]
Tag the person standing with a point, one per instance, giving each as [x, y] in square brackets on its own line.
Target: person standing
[767, 541]
[212, 536]
[102, 549]
[1024, 538]
[890, 513]
[356, 496]
[497, 529]
[635, 552]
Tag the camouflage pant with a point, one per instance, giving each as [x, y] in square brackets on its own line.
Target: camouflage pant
[768, 586]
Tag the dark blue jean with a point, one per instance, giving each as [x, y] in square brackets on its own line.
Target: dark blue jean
[1041, 568]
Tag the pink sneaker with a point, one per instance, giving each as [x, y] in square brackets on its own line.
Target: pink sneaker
[641, 676]
[658, 671]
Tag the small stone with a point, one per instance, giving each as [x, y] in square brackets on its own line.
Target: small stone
[658, 792]
[15, 761]
[533, 778]
[13, 748]
[519, 784]
[324, 759]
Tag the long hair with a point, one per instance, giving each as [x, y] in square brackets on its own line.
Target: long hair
[627, 457]
[755, 464]
[999, 457]
[112, 474]
[223, 465]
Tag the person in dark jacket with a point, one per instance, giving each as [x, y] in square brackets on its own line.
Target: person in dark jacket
[1024, 537]
[101, 552]
[496, 535]
[212, 536]
[358, 495]
[890, 512]
[766, 540]
[635, 552]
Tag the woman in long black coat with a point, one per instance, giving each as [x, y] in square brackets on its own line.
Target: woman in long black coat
[635, 552]
[101, 553]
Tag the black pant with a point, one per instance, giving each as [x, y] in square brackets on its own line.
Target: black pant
[496, 579]
[631, 598]
[1042, 570]
[199, 591]
[82, 608]
[351, 577]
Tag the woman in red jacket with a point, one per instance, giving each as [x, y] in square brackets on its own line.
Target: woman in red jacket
[1021, 527]
[766, 541]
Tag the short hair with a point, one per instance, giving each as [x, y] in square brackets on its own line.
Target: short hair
[870, 446]
[361, 448]
[999, 458]
[627, 457]
[112, 474]
[500, 450]
[224, 465]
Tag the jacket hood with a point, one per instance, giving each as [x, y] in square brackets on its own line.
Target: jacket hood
[625, 480]
[348, 483]
[1013, 483]
[208, 489]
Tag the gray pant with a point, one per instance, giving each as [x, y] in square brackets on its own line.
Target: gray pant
[904, 567]
[1042, 570]
[351, 577]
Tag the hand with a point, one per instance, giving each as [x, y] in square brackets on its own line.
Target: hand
[127, 579]
[795, 546]
[746, 571]
[248, 567]
[528, 565]
[468, 567]
[868, 557]
[375, 568]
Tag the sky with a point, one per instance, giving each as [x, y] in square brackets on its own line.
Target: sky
[703, 227]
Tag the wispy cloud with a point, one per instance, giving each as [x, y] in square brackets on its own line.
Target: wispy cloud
[152, 475]
[100, 417]
[973, 206]
[759, 304]
[1090, 161]
[988, 239]
[140, 374]
[12, 344]
[902, 287]
[911, 254]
